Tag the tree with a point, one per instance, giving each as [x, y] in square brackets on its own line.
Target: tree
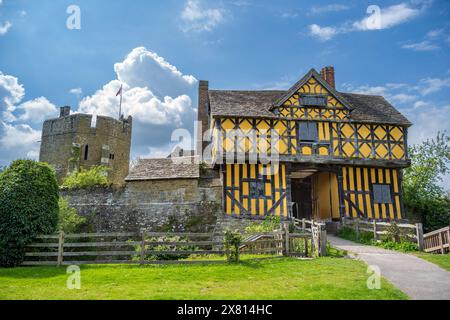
[28, 207]
[424, 197]
[68, 221]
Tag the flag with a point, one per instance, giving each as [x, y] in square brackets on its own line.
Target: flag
[120, 91]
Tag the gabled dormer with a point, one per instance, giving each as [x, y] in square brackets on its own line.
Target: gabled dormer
[313, 97]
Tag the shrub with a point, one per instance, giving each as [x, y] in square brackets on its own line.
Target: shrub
[95, 176]
[350, 234]
[232, 241]
[68, 220]
[269, 224]
[388, 242]
[28, 207]
[402, 245]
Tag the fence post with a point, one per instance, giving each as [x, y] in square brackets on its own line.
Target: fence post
[286, 239]
[306, 247]
[441, 241]
[375, 235]
[357, 228]
[143, 246]
[419, 234]
[303, 225]
[60, 248]
[323, 242]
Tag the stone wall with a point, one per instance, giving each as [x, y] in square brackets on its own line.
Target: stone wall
[159, 205]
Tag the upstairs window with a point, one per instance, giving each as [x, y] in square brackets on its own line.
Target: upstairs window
[382, 193]
[307, 131]
[257, 189]
[313, 100]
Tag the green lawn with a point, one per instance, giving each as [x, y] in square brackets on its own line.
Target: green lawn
[442, 260]
[282, 278]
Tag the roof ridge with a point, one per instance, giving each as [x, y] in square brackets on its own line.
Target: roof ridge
[363, 94]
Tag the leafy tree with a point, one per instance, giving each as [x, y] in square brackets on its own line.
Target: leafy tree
[95, 176]
[424, 197]
[68, 220]
[28, 207]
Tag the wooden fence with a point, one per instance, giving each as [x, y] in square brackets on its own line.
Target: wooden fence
[154, 248]
[437, 241]
[413, 232]
[317, 231]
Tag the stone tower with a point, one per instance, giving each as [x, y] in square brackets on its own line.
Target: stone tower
[81, 140]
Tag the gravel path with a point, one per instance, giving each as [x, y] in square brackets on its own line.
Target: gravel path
[419, 279]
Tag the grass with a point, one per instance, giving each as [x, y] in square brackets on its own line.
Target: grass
[281, 278]
[442, 260]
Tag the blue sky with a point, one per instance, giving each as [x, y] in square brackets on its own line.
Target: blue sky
[159, 49]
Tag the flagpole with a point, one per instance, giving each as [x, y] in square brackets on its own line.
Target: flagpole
[120, 103]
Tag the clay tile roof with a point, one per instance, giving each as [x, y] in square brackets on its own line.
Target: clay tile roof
[165, 168]
[258, 104]
[243, 103]
[369, 108]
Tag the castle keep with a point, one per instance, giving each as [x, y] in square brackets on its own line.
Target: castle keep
[82, 141]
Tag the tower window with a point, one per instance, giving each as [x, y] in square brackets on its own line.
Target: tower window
[86, 152]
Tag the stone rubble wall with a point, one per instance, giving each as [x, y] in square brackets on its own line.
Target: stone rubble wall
[159, 205]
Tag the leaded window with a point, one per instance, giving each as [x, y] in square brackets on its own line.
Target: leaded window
[307, 131]
[313, 100]
[257, 189]
[382, 193]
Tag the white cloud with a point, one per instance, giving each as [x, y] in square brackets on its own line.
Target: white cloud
[334, 7]
[76, 91]
[11, 92]
[21, 141]
[289, 15]
[197, 17]
[322, 33]
[158, 96]
[4, 27]
[421, 46]
[430, 85]
[388, 17]
[381, 18]
[36, 110]
[144, 68]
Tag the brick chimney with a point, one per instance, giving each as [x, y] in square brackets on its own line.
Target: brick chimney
[202, 114]
[64, 111]
[327, 74]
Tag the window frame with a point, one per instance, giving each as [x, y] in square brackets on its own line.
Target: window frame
[315, 103]
[257, 189]
[383, 195]
[311, 127]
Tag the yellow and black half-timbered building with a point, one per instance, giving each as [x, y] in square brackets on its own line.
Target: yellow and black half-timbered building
[332, 154]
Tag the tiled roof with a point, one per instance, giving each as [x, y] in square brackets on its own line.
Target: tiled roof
[165, 168]
[258, 104]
